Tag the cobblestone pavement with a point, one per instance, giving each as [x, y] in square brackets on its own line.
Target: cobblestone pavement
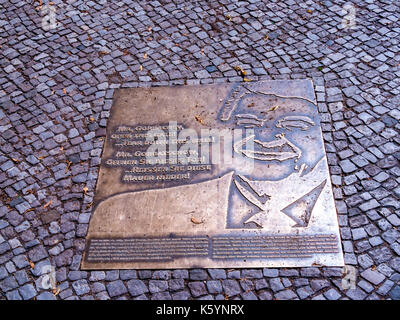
[56, 90]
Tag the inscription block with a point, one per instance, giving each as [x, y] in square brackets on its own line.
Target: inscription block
[214, 176]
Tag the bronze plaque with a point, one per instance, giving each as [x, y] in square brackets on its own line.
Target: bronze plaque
[214, 176]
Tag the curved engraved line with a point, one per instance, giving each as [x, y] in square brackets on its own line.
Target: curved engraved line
[281, 96]
[249, 122]
[231, 102]
[247, 194]
[161, 188]
[248, 115]
[271, 155]
[297, 118]
[309, 209]
[295, 121]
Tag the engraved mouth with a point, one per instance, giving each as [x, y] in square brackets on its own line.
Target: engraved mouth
[280, 149]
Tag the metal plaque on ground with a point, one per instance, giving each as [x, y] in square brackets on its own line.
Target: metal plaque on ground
[214, 176]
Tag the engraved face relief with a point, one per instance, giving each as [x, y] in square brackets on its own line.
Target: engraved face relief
[245, 107]
[161, 214]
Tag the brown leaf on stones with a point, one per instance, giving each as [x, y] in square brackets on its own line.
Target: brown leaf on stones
[56, 291]
[195, 221]
[40, 5]
[315, 264]
[47, 204]
[373, 268]
[89, 205]
[16, 160]
[85, 189]
[68, 165]
[241, 70]
[31, 264]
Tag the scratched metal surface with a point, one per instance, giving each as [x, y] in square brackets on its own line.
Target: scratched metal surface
[271, 206]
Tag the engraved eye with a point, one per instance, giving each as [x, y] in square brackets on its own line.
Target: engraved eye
[249, 120]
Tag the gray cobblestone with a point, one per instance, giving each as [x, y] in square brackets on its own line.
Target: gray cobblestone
[55, 101]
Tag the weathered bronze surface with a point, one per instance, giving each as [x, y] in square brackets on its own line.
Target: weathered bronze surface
[271, 206]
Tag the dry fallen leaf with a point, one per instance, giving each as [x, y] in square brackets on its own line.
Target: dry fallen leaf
[56, 291]
[145, 56]
[246, 80]
[195, 221]
[68, 165]
[16, 160]
[47, 204]
[65, 91]
[89, 205]
[273, 108]
[85, 189]
[373, 268]
[141, 68]
[199, 119]
[241, 70]
[31, 264]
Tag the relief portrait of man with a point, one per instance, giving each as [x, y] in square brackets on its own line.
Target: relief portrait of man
[280, 193]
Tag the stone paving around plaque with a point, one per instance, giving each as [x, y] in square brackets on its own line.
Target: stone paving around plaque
[60, 64]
